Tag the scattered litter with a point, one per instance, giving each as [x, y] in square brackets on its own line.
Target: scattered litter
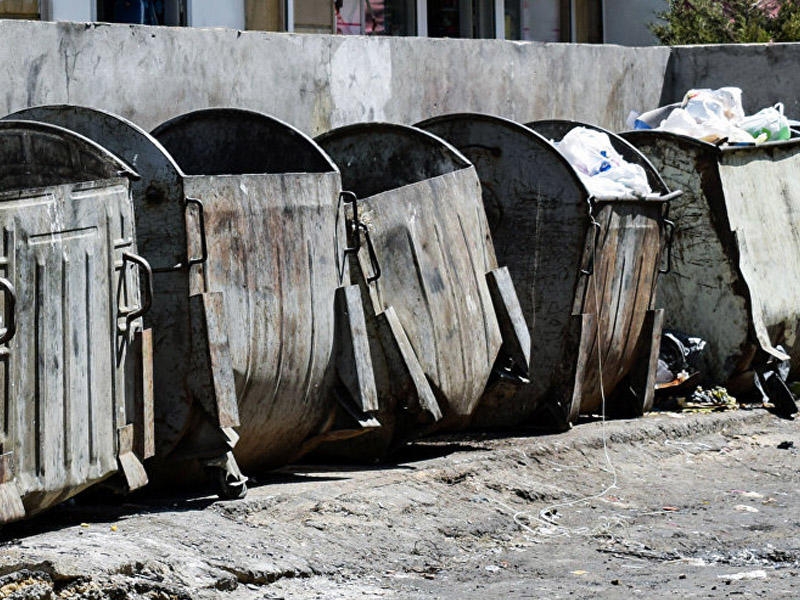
[700, 401]
[670, 508]
[785, 445]
[745, 575]
[492, 568]
[114, 528]
[85, 525]
[601, 168]
[754, 495]
[579, 572]
[745, 508]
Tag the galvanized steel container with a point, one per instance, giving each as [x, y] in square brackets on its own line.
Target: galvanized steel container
[423, 254]
[735, 280]
[76, 397]
[585, 269]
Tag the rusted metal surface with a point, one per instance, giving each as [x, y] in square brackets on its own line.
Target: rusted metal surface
[273, 240]
[71, 361]
[585, 270]
[419, 218]
[734, 281]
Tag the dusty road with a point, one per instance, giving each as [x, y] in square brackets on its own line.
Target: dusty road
[689, 506]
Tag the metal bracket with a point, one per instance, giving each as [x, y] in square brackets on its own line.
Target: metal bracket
[146, 286]
[202, 222]
[356, 228]
[10, 311]
[669, 227]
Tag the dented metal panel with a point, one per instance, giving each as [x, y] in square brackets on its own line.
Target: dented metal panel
[734, 282]
[417, 207]
[72, 356]
[584, 269]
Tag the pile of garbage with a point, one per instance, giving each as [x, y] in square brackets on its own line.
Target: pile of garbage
[601, 168]
[717, 116]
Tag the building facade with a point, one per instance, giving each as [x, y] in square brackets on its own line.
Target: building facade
[586, 21]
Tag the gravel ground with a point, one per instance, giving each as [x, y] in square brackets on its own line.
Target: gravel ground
[671, 505]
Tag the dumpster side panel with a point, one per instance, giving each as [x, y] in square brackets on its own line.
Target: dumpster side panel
[62, 403]
[619, 293]
[433, 244]
[537, 211]
[703, 294]
[273, 252]
[763, 205]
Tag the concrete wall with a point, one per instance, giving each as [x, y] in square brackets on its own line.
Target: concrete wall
[317, 82]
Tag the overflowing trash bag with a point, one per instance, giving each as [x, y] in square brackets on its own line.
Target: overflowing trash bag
[601, 168]
[717, 116]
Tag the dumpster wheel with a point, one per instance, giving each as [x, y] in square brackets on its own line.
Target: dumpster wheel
[228, 480]
[228, 486]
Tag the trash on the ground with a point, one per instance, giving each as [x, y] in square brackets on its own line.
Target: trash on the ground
[744, 575]
[601, 168]
[771, 383]
[700, 400]
[717, 116]
[678, 359]
[785, 445]
[745, 508]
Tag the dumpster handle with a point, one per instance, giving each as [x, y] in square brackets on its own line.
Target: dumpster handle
[10, 311]
[203, 246]
[597, 230]
[373, 257]
[351, 198]
[147, 286]
[669, 226]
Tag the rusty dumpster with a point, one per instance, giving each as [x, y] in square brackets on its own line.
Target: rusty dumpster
[736, 281]
[585, 269]
[76, 397]
[443, 317]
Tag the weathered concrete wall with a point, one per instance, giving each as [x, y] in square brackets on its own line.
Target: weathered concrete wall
[767, 73]
[318, 82]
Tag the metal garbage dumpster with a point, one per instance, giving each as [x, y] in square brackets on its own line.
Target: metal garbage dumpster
[441, 314]
[271, 263]
[76, 395]
[585, 269]
[280, 295]
[735, 281]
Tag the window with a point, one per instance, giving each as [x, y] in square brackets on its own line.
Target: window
[461, 18]
[148, 12]
[376, 17]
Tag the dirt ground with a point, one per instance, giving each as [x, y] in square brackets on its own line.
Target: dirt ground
[671, 505]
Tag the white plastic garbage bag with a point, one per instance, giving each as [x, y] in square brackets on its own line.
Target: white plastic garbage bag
[601, 168]
[768, 123]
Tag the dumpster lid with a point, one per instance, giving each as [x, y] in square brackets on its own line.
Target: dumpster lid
[34, 154]
[234, 141]
[122, 137]
[377, 157]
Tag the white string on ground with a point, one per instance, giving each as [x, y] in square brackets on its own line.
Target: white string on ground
[545, 516]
